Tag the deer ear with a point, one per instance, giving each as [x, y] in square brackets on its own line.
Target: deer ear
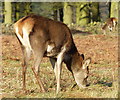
[86, 63]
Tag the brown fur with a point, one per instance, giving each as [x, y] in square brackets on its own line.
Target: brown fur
[110, 22]
[43, 32]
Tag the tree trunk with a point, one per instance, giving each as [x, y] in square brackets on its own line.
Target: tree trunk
[114, 9]
[61, 14]
[17, 10]
[67, 18]
[94, 13]
[104, 11]
[82, 14]
[8, 12]
[55, 14]
[27, 8]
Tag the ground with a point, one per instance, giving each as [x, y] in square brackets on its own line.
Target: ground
[103, 78]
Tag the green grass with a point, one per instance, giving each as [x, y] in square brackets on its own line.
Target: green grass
[103, 76]
[103, 81]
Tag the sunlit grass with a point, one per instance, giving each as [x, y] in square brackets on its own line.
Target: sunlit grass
[103, 82]
[103, 76]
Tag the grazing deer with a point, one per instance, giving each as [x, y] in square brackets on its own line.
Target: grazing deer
[47, 38]
[110, 24]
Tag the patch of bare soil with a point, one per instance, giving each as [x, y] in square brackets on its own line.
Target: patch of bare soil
[101, 48]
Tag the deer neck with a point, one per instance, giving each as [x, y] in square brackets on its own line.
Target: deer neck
[76, 62]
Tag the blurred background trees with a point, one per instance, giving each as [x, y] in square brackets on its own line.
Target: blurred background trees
[8, 12]
[114, 9]
[79, 13]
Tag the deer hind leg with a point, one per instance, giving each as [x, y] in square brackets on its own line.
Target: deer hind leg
[38, 55]
[26, 49]
[26, 58]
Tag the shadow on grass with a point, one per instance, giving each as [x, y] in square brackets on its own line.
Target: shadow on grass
[109, 84]
[74, 31]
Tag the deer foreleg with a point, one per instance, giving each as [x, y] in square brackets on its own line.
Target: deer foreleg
[57, 68]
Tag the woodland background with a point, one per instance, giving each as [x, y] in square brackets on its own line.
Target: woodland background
[80, 13]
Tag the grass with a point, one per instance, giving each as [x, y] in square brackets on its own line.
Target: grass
[103, 76]
[103, 82]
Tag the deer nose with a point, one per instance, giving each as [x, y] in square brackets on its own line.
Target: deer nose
[88, 84]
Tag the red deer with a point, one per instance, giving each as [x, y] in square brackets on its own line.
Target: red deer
[110, 24]
[47, 38]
